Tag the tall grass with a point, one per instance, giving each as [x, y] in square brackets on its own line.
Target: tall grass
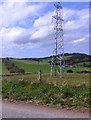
[3, 69]
[71, 90]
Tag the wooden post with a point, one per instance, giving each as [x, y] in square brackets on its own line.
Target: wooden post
[55, 72]
[40, 75]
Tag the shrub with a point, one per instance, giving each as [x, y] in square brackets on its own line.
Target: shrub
[69, 71]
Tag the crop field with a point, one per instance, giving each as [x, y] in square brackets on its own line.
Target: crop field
[71, 90]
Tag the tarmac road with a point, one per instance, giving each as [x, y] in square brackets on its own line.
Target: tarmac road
[25, 110]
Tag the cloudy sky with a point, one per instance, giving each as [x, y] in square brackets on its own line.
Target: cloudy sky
[26, 28]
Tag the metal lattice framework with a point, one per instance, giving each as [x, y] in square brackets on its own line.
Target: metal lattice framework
[58, 62]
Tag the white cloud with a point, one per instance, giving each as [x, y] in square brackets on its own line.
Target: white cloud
[44, 20]
[13, 12]
[40, 33]
[75, 24]
[14, 39]
[78, 41]
[13, 34]
[68, 13]
[79, 20]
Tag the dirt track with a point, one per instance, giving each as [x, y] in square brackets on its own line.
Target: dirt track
[24, 110]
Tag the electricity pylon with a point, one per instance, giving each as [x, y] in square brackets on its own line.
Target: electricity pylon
[57, 62]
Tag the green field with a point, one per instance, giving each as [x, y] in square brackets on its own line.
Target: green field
[68, 78]
[87, 63]
[77, 69]
[44, 67]
[32, 67]
[3, 69]
[35, 66]
[71, 90]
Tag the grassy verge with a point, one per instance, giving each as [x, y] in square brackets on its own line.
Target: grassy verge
[64, 92]
[3, 69]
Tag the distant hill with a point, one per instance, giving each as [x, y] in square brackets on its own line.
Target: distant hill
[70, 58]
[66, 54]
[75, 62]
[77, 57]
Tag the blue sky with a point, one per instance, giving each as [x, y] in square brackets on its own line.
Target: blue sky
[27, 28]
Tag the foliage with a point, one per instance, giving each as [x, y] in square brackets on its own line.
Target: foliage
[69, 71]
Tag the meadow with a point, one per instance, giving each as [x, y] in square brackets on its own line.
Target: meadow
[27, 67]
[86, 63]
[71, 90]
[3, 69]
[30, 66]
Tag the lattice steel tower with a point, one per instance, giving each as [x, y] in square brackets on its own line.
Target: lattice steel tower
[57, 62]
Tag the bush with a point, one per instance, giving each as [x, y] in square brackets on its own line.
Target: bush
[69, 71]
[84, 72]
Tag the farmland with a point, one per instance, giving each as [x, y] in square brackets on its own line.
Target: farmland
[3, 69]
[33, 66]
[77, 63]
[71, 90]
[85, 63]
[29, 66]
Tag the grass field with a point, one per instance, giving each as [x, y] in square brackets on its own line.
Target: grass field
[71, 90]
[77, 69]
[35, 66]
[87, 63]
[31, 67]
[25, 65]
[3, 69]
